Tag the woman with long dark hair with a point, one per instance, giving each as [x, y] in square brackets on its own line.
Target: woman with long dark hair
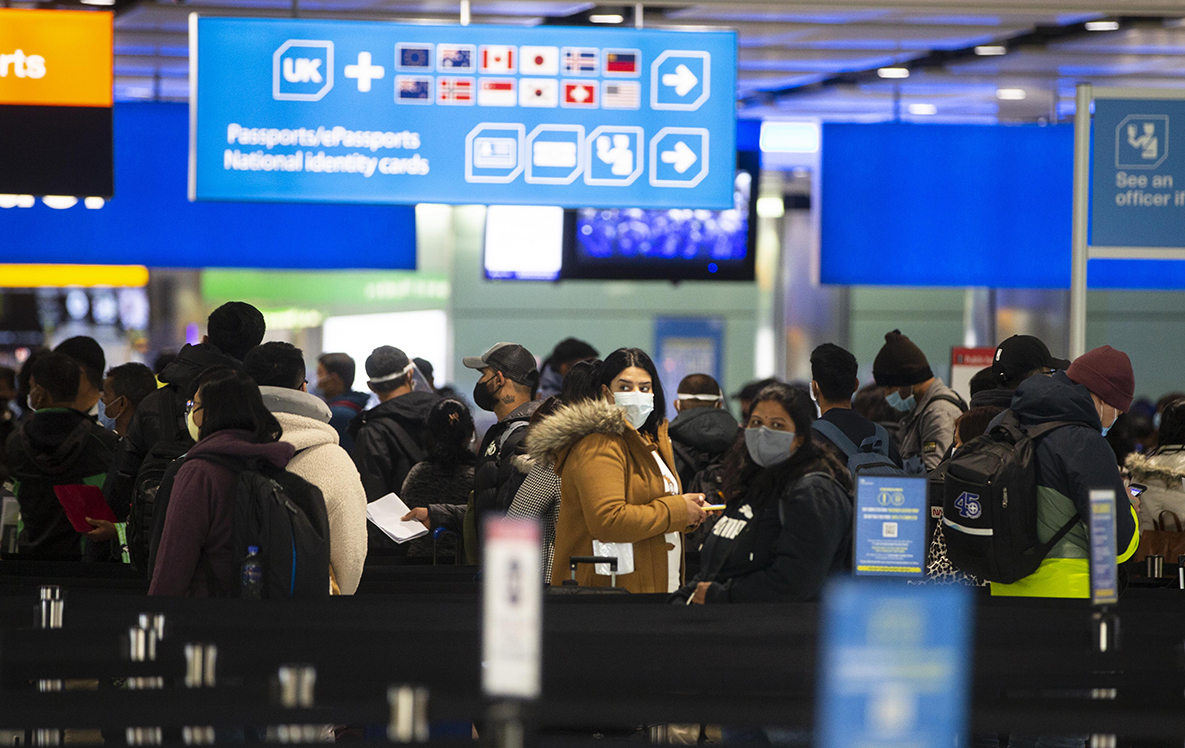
[226, 417]
[620, 493]
[440, 485]
[788, 521]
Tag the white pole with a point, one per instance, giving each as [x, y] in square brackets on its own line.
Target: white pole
[638, 13]
[464, 12]
[1081, 213]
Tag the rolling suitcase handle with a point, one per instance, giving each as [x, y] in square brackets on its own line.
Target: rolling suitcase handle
[575, 561]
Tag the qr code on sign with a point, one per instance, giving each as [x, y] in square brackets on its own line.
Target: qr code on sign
[889, 530]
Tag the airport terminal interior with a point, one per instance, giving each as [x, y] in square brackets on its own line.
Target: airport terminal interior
[551, 373]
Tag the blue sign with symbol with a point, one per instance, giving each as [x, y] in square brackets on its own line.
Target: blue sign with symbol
[894, 665]
[1104, 573]
[1135, 200]
[369, 112]
[890, 531]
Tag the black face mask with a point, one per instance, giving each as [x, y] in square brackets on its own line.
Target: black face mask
[482, 397]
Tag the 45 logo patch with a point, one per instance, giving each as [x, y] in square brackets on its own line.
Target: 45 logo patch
[968, 505]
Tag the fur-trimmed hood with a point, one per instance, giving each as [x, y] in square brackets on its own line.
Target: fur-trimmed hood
[551, 438]
[1167, 466]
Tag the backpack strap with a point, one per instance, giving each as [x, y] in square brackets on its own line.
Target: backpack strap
[837, 437]
[414, 451]
[878, 443]
[948, 397]
[510, 429]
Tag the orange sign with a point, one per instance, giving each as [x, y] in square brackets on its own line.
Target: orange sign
[55, 57]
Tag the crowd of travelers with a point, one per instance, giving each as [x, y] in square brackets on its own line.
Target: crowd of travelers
[226, 452]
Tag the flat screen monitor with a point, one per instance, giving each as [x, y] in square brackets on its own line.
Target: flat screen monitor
[523, 242]
[636, 244]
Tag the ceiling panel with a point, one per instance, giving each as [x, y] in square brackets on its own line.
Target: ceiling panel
[787, 48]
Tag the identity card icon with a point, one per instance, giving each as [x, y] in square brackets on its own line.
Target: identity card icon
[1142, 141]
[302, 70]
[679, 157]
[494, 153]
[613, 155]
[680, 80]
[554, 154]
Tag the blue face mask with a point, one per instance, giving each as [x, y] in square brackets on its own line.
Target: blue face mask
[104, 420]
[768, 447]
[898, 403]
[1156, 421]
[1106, 429]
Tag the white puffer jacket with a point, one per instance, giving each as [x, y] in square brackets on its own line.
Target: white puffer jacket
[1162, 472]
[320, 461]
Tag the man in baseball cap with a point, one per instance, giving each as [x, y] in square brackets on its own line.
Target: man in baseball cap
[1017, 358]
[509, 379]
[1072, 461]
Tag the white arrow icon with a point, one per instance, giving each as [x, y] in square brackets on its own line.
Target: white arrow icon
[682, 80]
[681, 157]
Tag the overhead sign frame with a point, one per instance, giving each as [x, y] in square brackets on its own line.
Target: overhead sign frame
[1085, 149]
[293, 110]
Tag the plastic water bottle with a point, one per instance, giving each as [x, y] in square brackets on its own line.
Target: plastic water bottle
[252, 578]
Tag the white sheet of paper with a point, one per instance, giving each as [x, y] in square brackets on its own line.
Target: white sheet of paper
[386, 514]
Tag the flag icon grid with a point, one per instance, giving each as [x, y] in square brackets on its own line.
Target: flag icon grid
[527, 92]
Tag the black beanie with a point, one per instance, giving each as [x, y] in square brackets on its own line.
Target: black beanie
[900, 363]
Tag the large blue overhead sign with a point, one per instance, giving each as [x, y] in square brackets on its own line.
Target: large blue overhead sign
[342, 111]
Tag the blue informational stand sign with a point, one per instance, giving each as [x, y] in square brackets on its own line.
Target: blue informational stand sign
[894, 665]
[1135, 198]
[891, 521]
[345, 111]
[1104, 574]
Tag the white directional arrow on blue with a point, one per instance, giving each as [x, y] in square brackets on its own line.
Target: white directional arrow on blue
[682, 80]
[681, 157]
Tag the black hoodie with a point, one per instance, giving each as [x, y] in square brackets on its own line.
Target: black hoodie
[698, 437]
[389, 441]
[160, 417]
[56, 447]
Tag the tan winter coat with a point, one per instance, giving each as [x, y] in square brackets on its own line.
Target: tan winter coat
[611, 490]
[1163, 473]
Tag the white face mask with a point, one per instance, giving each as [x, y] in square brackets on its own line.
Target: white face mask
[637, 406]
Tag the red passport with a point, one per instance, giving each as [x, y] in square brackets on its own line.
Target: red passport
[81, 502]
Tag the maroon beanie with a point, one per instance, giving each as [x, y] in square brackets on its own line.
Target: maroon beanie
[1107, 373]
[900, 363]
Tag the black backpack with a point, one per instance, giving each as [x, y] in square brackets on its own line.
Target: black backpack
[174, 443]
[989, 508]
[285, 517]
